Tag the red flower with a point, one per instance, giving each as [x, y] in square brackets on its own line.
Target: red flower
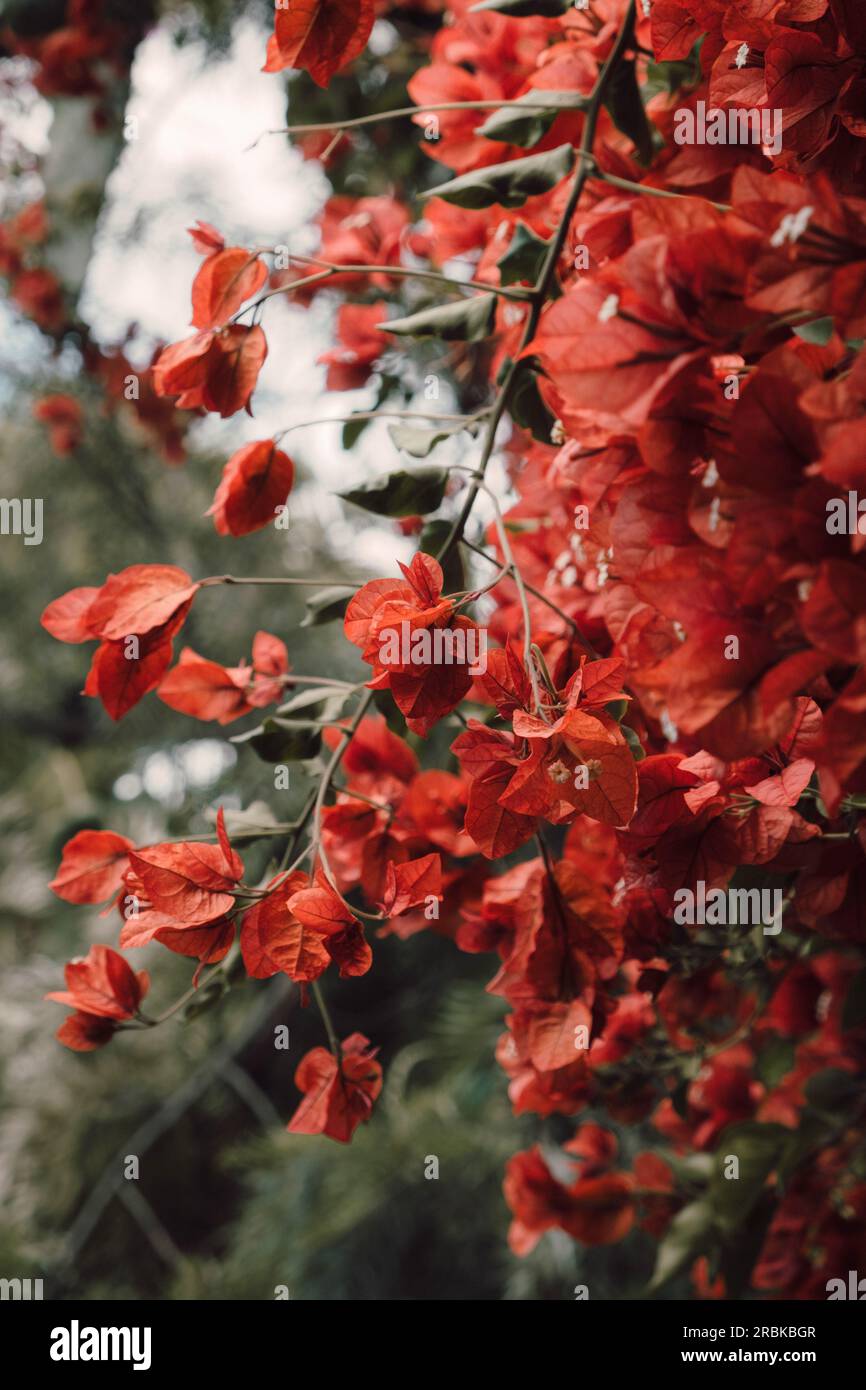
[92, 867]
[207, 690]
[273, 939]
[321, 909]
[65, 420]
[360, 343]
[319, 35]
[226, 279]
[254, 486]
[338, 1096]
[183, 885]
[596, 1211]
[216, 370]
[103, 990]
[386, 619]
[136, 613]
[39, 295]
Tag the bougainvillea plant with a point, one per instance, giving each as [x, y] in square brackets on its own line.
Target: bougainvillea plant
[644, 265]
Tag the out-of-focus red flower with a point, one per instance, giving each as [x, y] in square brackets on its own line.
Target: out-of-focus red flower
[65, 420]
[360, 343]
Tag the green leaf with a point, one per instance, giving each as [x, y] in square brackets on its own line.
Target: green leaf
[524, 258]
[689, 1235]
[818, 332]
[671, 76]
[634, 743]
[315, 695]
[625, 105]
[465, 320]
[775, 1061]
[509, 184]
[680, 1097]
[401, 493]
[810, 1136]
[420, 442]
[352, 431]
[834, 1092]
[550, 9]
[757, 1148]
[738, 1256]
[283, 740]
[526, 128]
[326, 605]
[525, 405]
[431, 541]
[854, 1009]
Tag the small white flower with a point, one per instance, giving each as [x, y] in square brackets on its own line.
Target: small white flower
[581, 4]
[715, 512]
[711, 475]
[804, 589]
[791, 227]
[742, 55]
[679, 631]
[557, 432]
[512, 315]
[646, 6]
[559, 773]
[568, 577]
[609, 308]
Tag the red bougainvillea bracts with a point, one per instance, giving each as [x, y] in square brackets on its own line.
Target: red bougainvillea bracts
[646, 662]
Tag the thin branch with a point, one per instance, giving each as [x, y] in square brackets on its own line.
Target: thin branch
[333, 1040]
[399, 112]
[397, 272]
[256, 579]
[381, 415]
[149, 1223]
[632, 187]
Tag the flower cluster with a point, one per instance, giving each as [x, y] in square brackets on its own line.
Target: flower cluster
[675, 705]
